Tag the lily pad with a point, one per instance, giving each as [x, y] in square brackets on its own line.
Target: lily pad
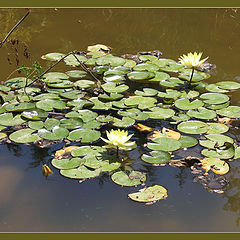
[146, 67]
[34, 114]
[231, 112]
[71, 123]
[172, 82]
[112, 87]
[56, 133]
[186, 104]
[217, 128]
[134, 113]
[7, 119]
[124, 122]
[53, 56]
[84, 135]
[228, 85]
[111, 97]
[66, 163]
[54, 77]
[18, 107]
[187, 141]
[111, 60]
[159, 76]
[133, 179]
[160, 113]
[147, 92]
[140, 102]
[114, 78]
[72, 61]
[50, 104]
[35, 124]
[170, 93]
[26, 135]
[197, 76]
[166, 144]
[140, 75]
[72, 94]
[193, 127]
[60, 85]
[214, 98]
[76, 73]
[202, 113]
[216, 165]
[19, 82]
[156, 157]
[84, 83]
[150, 194]
[215, 88]
[85, 115]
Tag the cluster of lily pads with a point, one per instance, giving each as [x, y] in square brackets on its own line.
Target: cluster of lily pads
[132, 92]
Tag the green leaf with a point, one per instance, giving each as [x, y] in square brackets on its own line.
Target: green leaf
[54, 77]
[18, 107]
[133, 179]
[197, 76]
[84, 83]
[56, 133]
[147, 92]
[72, 61]
[50, 104]
[19, 82]
[134, 113]
[140, 75]
[76, 73]
[172, 82]
[231, 112]
[124, 122]
[150, 194]
[141, 102]
[193, 127]
[24, 136]
[34, 114]
[66, 163]
[53, 56]
[166, 144]
[185, 104]
[146, 67]
[156, 157]
[214, 98]
[7, 119]
[228, 85]
[187, 141]
[217, 128]
[160, 113]
[202, 113]
[84, 135]
[110, 60]
[112, 87]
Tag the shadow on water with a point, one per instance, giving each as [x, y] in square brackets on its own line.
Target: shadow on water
[60, 204]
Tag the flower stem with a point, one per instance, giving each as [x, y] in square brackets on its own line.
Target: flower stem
[117, 152]
[190, 81]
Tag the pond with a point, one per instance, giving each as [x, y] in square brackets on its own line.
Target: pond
[30, 202]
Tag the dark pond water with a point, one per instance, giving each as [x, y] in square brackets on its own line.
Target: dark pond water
[29, 202]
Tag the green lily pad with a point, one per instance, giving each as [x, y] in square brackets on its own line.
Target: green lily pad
[228, 85]
[81, 172]
[172, 82]
[160, 113]
[34, 114]
[187, 141]
[72, 94]
[76, 73]
[114, 78]
[225, 152]
[186, 104]
[219, 138]
[147, 92]
[216, 165]
[150, 194]
[189, 94]
[110, 60]
[19, 82]
[56, 133]
[99, 105]
[214, 98]
[49, 104]
[103, 118]
[35, 125]
[171, 67]
[7, 119]
[66, 163]
[100, 69]
[217, 128]
[72, 61]
[60, 85]
[71, 123]
[2, 135]
[215, 88]
[85, 115]
[159, 76]
[146, 67]
[140, 75]
[129, 63]
[112, 87]
[54, 77]
[88, 151]
[193, 127]
[18, 107]
[133, 179]
[156, 157]
[237, 153]
[44, 96]
[217, 106]
[134, 113]
[50, 123]
[53, 56]
[124, 122]
[231, 112]
[140, 102]
[147, 58]
[84, 83]
[84, 135]
[202, 113]
[26, 135]
[181, 117]
[98, 47]
[91, 124]
[170, 93]
[166, 144]
[111, 97]
[197, 76]
[79, 104]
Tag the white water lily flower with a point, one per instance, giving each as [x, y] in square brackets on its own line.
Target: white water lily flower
[192, 60]
[119, 139]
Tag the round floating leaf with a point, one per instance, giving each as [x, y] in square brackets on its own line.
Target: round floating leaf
[134, 113]
[76, 73]
[50, 104]
[159, 76]
[98, 47]
[124, 122]
[231, 112]
[100, 69]
[111, 97]
[237, 153]
[147, 58]
[214, 98]
[160, 113]
[193, 127]
[140, 102]
[91, 61]
[140, 75]
[81, 172]
[85, 135]
[170, 93]
[34, 114]
[202, 113]
[185, 104]
[133, 179]
[103, 118]
[150, 194]
[74, 60]
[7, 119]
[71, 123]
[18, 107]
[171, 67]
[66, 163]
[56, 133]
[215, 88]
[50, 123]
[181, 117]
[156, 157]
[197, 76]
[166, 144]
[35, 125]
[44, 96]
[217, 106]
[92, 124]
[85, 115]
[172, 82]
[53, 56]
[225, 152]
[112, 87]
[19, 82]
[72, 94]
[2, 135]
[84, 83]
[110, 60]
[217, 128]
[88, 150]
[113, 72]
[99, 105]
[189, 94]
[187, 141]
[24, 136]
[114, 78]
[147, 92]
[219, 138]
[146, 67]
[228, 85]
[60, 85]
[216, 165]
[54, 77]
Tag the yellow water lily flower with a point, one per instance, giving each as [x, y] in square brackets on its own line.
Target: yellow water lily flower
[192, 60]
[119, 139]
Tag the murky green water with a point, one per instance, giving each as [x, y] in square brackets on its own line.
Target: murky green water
[29, 202]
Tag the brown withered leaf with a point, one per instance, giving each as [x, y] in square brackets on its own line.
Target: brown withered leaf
[142, 128]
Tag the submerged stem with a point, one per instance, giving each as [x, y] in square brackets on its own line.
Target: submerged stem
[190, 81]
